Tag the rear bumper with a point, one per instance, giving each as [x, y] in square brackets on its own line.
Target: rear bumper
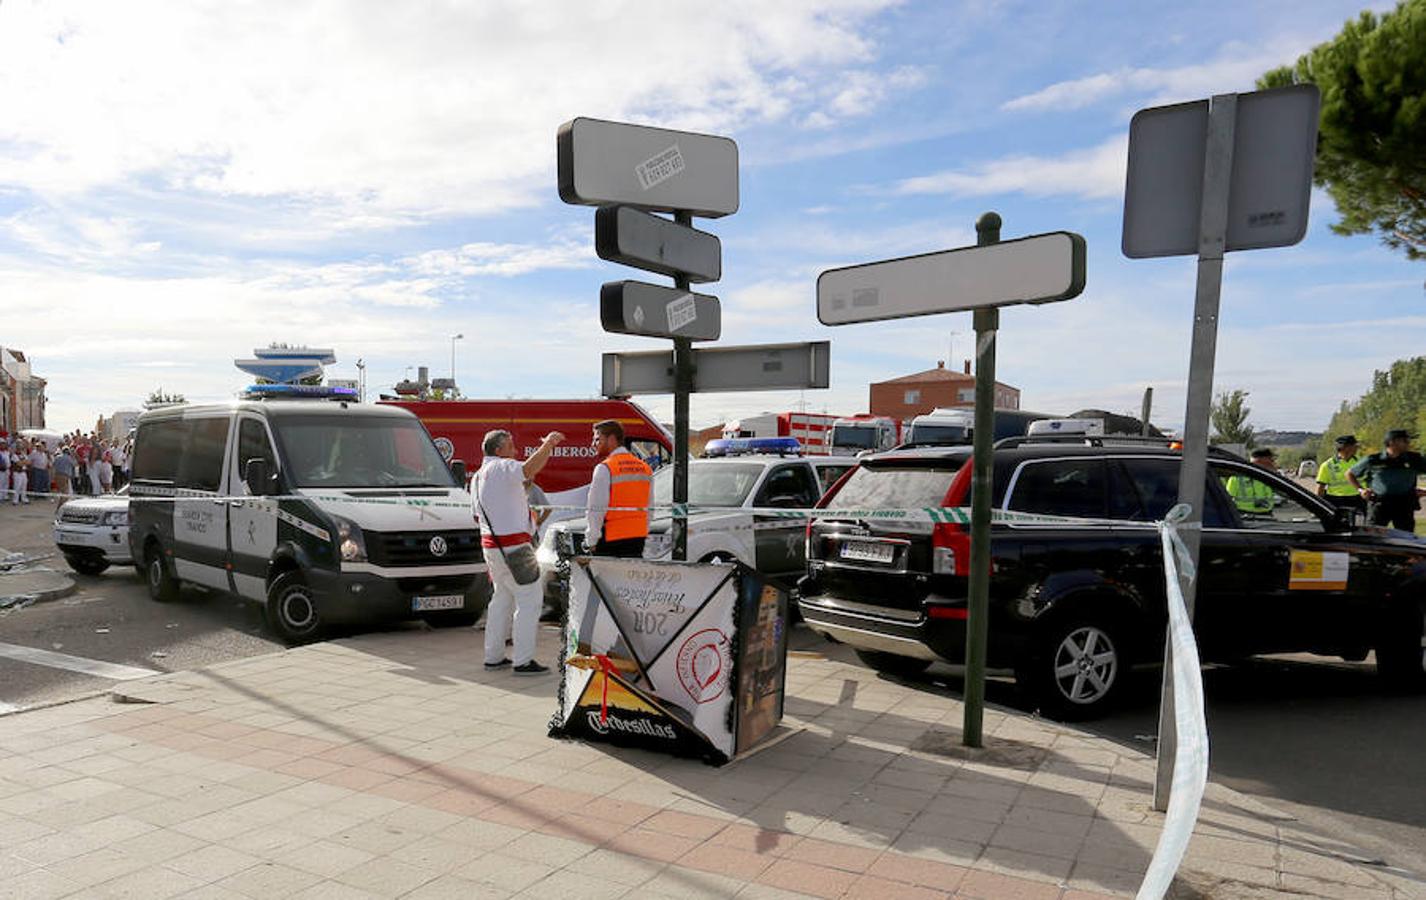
[891, 632]
[346, 597]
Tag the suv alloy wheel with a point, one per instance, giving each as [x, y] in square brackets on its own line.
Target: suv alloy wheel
[1078, 670]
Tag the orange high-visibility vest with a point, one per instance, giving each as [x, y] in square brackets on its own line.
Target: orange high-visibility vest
[630, 484]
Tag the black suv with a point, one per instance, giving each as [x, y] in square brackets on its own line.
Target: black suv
[1074, 606]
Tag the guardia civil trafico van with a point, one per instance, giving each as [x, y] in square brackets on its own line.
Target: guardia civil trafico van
[320, 508]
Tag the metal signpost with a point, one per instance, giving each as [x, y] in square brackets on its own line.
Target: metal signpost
[1040, 269]
[615, 164]
[1233, 173]
[630, 172]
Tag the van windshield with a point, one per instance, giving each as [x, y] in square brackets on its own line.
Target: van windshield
[860, 436]
[939, 434]
[359, 451]
[710, 483]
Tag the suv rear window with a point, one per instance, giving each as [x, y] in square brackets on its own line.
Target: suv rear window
[894, 487]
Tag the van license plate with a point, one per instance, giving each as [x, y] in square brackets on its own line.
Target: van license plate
[868, 551]
[445, 601]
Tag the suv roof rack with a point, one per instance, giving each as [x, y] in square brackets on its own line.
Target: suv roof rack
[1106, 440]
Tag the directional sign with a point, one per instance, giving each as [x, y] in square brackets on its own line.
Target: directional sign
[608, 163]
[1037, 269]
[1274, 142]
[626, 235]
[757, 367]
[651, 310]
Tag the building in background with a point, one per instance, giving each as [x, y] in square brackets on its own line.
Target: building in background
[118, 426]
[912, 395]
[22, 393]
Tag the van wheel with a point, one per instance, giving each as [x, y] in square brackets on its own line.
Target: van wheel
[893, 664]
[1077, 668]
[163, 587]
[292, 609]
[1401, 652]
[86, 565]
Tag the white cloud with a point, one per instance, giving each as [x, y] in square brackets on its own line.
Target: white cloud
[486, 258]
[388, 109]
[1235, 68]
[1094, 173]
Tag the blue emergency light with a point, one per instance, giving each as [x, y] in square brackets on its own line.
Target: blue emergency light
[782, 446]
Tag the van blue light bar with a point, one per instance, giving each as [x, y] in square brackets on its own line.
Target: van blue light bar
[782, 446]
[300, 391]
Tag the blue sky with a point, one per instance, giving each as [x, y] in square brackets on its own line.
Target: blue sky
[180, 183]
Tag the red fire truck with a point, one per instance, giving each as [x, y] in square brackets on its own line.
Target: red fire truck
[459, 426]
[810, 429]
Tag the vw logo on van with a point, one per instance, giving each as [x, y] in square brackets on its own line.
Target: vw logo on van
[438, 546]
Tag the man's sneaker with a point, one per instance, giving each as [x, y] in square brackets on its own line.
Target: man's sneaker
[531, 668]
[490, 667]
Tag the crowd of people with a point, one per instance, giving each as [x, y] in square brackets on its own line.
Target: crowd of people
[77, 463]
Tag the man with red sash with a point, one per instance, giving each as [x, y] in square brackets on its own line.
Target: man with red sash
[618, 510]
[503, 513]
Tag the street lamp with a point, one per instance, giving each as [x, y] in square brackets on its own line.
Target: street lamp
[454, 338]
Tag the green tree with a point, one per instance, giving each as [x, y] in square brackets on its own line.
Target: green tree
[1373, 128]
[1397, 399]
[1229, 417]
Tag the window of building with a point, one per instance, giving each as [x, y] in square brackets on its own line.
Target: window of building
[912, 397]
[966, 395]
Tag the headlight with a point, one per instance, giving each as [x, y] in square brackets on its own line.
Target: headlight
[351, 543]
[117, 517]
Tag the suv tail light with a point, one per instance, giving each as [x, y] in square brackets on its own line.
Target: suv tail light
[950, 549]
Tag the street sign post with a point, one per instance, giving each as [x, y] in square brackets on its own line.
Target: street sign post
[1042, 268]
[754, 367]
[631, 171]
[652, 310]
[633, 237]
[1231, 173]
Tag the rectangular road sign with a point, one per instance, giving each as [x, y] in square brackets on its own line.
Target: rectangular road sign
[604, 163]
[1037, 269]
[1274, 143]
[755, 367]
[651, 310]
[633, 237]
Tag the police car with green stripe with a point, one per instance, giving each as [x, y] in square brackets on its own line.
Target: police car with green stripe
[322, 509]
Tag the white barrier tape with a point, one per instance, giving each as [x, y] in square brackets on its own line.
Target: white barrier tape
[934, 514]
[1190, 768]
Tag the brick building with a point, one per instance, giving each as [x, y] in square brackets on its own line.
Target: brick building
[913, 395]
[22, 393]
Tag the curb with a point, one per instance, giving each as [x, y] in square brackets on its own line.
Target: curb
[66, 587]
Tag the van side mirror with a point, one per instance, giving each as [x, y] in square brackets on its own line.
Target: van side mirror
[458, 470]
[259, 479]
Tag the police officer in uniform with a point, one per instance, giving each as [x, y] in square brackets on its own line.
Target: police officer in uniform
[1332, 483]
[1390, 481]
[1251, 496]
[618, 511]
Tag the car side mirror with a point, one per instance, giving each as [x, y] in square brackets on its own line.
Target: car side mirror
[458, 470]
[1344, 518]
[259, 479]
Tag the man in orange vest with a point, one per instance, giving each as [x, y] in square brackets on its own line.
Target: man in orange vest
[618, 510]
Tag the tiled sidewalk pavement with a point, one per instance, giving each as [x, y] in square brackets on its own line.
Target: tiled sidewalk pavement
[393, 766]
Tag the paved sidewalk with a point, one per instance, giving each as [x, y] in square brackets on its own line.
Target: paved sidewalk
[392, 765]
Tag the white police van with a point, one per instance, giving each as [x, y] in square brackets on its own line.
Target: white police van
[322, 509]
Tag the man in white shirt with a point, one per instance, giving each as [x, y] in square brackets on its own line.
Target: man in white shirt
[503, 513]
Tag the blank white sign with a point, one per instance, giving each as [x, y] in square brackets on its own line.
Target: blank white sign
[1038, 269]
